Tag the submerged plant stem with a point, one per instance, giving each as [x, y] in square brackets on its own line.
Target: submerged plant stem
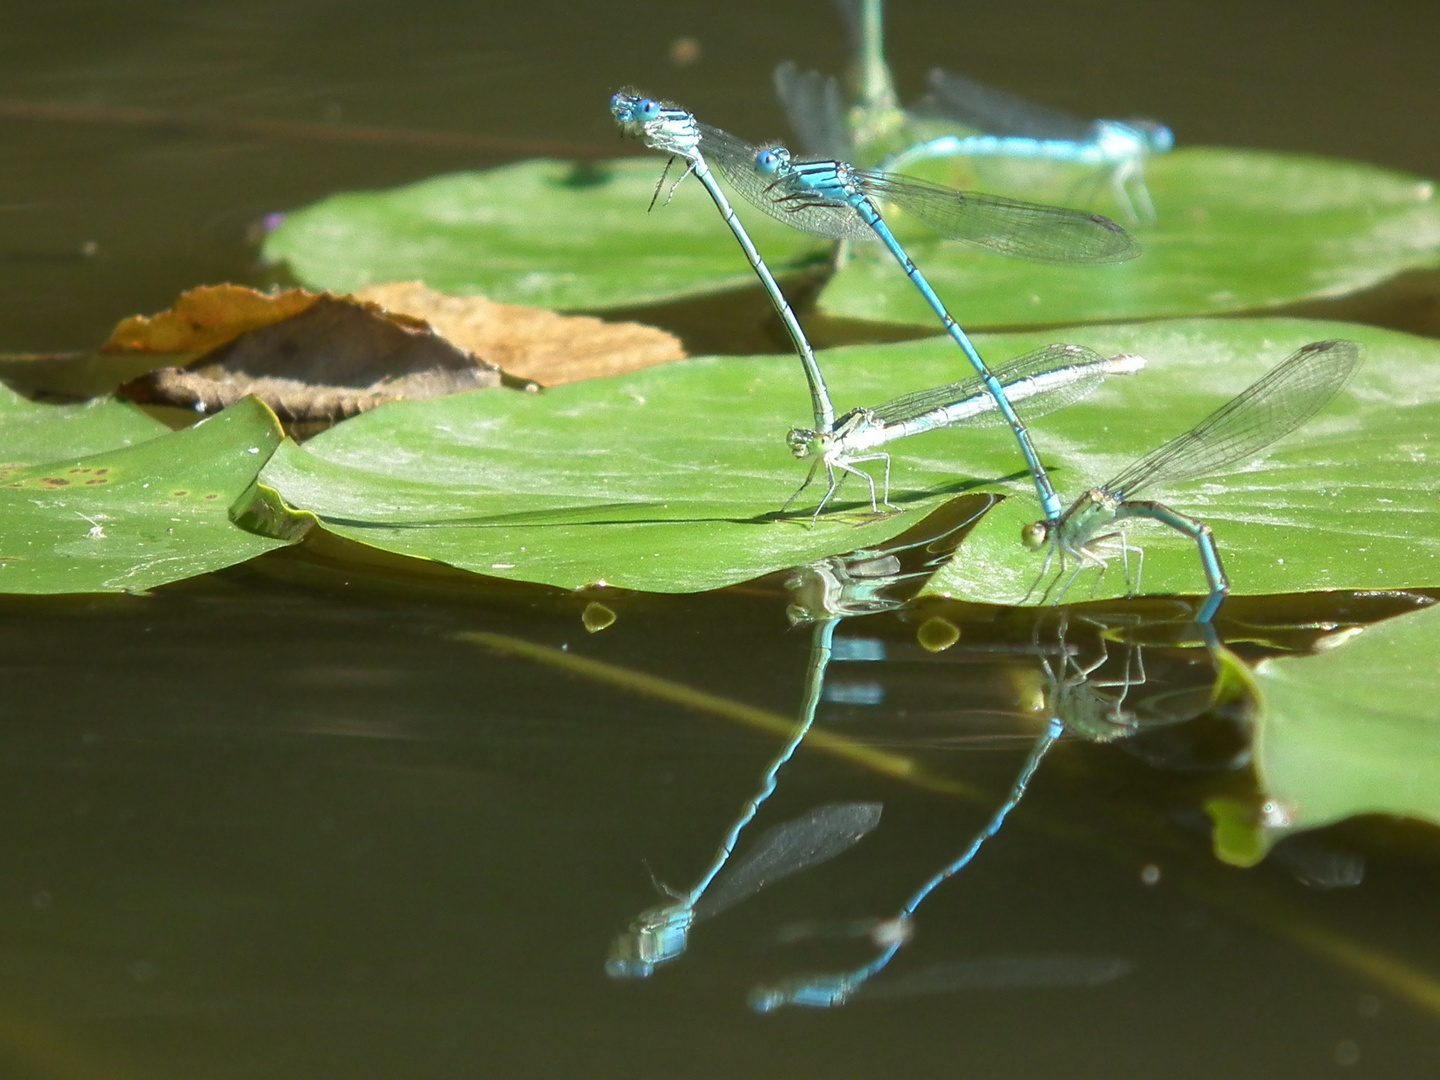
[892, 765]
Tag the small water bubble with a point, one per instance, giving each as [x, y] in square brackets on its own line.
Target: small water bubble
[1150, 874]
[937, 634]
[597, 617]
[1346, 1052]
[1275, 814]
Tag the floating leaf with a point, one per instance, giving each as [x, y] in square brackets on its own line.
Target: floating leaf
[670, 479]
[543, 233]
[31, 432]
[1238, 230]
[135, 518]
[1347, 502]
[667, 480]
[1354, 730]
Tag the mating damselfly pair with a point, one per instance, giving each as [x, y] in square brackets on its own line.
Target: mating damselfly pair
[834, 199]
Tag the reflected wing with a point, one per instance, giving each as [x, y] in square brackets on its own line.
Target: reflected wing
[796, 845]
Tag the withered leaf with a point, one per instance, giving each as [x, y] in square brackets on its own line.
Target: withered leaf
[313, 358]
[530, 343]
[206, 318]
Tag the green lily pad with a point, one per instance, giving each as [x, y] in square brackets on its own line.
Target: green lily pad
[31, 433]
[134, 518]
[1238, 230]
[1354, 730]
[1347, 502]
[670, 479]
[544, 233]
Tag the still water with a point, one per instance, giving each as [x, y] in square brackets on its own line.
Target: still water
[282, 822]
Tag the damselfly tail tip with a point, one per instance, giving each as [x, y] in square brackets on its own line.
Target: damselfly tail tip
[1124, 364]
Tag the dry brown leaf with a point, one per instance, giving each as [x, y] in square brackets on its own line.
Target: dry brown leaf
[318, 358]
[336, 357]
[292, 400]
[206, 318]
[529, 343]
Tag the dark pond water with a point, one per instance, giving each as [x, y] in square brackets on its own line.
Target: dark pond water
[282, 823]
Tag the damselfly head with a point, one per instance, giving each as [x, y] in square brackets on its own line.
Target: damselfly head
[622, 107]
[1158, 138]
[1036, 535]
[804, 442]
[772, 161]
[1149, 136]
[629, 107]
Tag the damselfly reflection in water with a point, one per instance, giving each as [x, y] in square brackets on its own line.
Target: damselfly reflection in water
[868, 581]
[1078, 701]
[662, 933]
[826, 991]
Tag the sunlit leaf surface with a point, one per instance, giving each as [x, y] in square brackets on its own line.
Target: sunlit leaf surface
[670, 479]
[1354, 730]
[667, 480]
[1347, 502]
[543, 233]
[1238, 230]
[31, 432]
[135, 518]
